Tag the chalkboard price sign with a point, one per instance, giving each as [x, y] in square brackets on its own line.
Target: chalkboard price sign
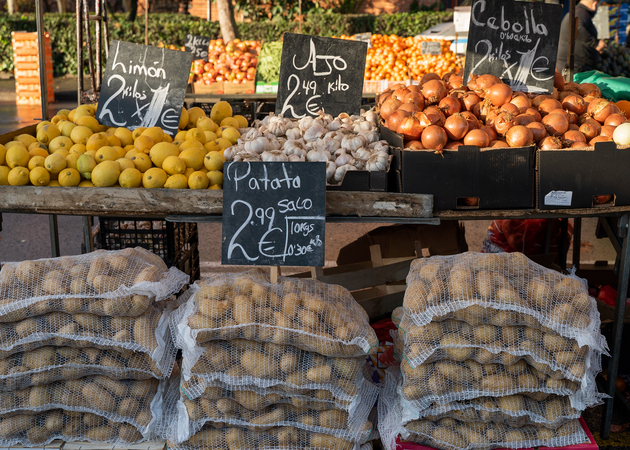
[274, 214]
[516, 41]
[431, 48]
[319, 73]
[198, 46]
[143, 86]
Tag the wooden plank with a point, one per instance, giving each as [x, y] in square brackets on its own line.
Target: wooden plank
[378, 204]
[8, 137]
[491, 214]
[365, 294]
[382, 307]
[370, 277]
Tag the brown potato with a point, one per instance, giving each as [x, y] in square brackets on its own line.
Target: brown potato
[485, 284]
[289, 363]
[103, 433]
[539, 294]
[319, 374]
[333, 418]
[270, 418]
[144, 333]
[504, 318]
[259, 364]
[347, 367]
[128, 433]
[151, 274]
[486, 333]
[96, 395]
[457, 350]
[89, 322]
[54, 421]
[325, 441]
[211, 438]
[449, 436]
[497, 383]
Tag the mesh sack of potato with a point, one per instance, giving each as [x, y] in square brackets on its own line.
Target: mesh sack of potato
[45, 365]
[441, 285]
[307, 314]
[148, 333]
[248, 363]
[112, 283]
[135, 402]
[285, 438]
[38, 429]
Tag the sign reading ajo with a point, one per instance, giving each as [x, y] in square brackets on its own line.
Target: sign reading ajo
[319, 73]
[198, 46]
[516, 41]
[274, 213]
[143, 86]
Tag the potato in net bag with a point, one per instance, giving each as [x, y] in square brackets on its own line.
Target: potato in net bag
[38, 429]
[509, 282]
[248, 363]
[136, 402]
[285, 438]
[307, 314]
[148, 333]
[45, 365]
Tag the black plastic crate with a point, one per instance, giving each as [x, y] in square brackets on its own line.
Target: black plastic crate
[245, 109]
[176, 243]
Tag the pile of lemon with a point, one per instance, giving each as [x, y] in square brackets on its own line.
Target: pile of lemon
[74, 149]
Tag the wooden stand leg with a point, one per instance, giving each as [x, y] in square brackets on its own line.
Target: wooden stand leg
[275, 273]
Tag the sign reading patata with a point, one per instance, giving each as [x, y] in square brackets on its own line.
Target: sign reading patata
[274, 213]
[516, 41]
[319, 73]
[143, 86]
[198, 46]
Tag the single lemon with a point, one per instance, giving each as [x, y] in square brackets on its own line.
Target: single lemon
[106, 153]
[159, 152]
[192, 143]
[36, 161]
[220, 111]
[85, 165]
[26, 139]
[91, 153]
[180, 136]
[18, 176]
[177, 181]
[198, 180]
[4, 175]
[69, 177]
[55, 163]
[206, 124]
[193, 115]
[106, 174]
[230, 122]
[130, 178]
[215, 186]
[188, 172]
[10, 144]
[88, 121]
[39, 176]
[130, 153]
[183, 118]
[110, 131]
[58, 118]
[125, 136]
[96, 141]
[212, 146]
[167, 138]
[38, 145]
[89, 108]
[154, 178]
[125, 164]
[210, 136]
[155, 133]
[141, 161]
[231, 134]
[54, 183]
[215, 177]
[137, 132]
[3, 154]
[42, 124]
[59, 143]
[242, 121]
[197, 134]
[173, 165]
[193, 157]
[214, 161]
[66, 128]
[80, 134]
[223, 143]
[78, 148]
[47, 133]
[86, 183]
[62, 152]
[38, 152]
[17, 156]
[143, 143]
[71, 160]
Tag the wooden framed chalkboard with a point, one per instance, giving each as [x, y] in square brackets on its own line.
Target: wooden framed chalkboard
[516, 41]
[274, 213]
[143, 86]
[198, 46]
[319, 73]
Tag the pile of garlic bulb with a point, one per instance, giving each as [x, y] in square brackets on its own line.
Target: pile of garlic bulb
[344, 143]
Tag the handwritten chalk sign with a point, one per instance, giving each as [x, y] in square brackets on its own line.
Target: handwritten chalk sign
[274, 213]
[431, 48]
[319, 73]
[364, 37]
[198, 46]
[143, 86]
[516, 41]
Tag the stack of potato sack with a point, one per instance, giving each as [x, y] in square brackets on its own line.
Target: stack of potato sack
[272, 365]
[84, 343]
[496, 351]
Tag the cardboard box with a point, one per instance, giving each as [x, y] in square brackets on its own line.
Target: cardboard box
[362, 180]
[570, 178]
[239, 88]
[212, 88]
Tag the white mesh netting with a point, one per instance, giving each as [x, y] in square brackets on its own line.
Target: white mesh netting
[307, 314]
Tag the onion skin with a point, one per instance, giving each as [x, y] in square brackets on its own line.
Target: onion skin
[410, 128]
[519, 136]
[511, 108]
[433, 91]
[573, 87]
[571, 137]
[560, 111]
[615, 120]
[414, 145]
[486, 81]
[394, 121]
[473, 122]
[434, 137]
[574, 103]
[450, 105]
[607, 130]
[470, 99]
[400, 93]
[384, 96]
[600, 110]
[456, 127]
[589, 89]
[428, 77]
[456, 81]
[478, 138]
[414, 88]
[556, 124]
[492, 134]
[538, 130]
[415, 98]
[499, 144]
[550, 143]
[533, 112]
[411, 108]
[588, 131]
[549, 105]
[452, 145]
[579, 145]
[593, 141]
[436, 115]
[389, 106]
[600, 199]
[499, 94]
[503, 123]
[521, 100]
[558, 81]
[524, 119]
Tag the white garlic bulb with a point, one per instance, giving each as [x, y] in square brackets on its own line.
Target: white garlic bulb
[371, 135]
[292, 147]
[343, 116]
[359, 164]
[305, 123]
[334, 125]
[246, 157]
[251, 134]
[297, 158]
[294, 134]
[330, 170]
[229, 152]
[344, 159]
[314, 132]
[362, 153]
[274, 156]
[318, 155]
[327, 144]
[353, 142]
[378, 162]
[341, 172]
[371, 116]
[258, 145]
[276, 126]
[274, 144]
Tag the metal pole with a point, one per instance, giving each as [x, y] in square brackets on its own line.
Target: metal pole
[577, 241]
[79, 53]
[43, 85]
[146, 22]
[54, 235]
[572, 31]
[99, 45]
[209, 10]
[87, 234]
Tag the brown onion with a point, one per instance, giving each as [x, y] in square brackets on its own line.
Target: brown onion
[549, 105]
[428, 77]
[415, 98]
[511, 108]
[456, 127]
[607, 130]
[482, 110]
[589, 89]
[572, 87]
[578, 145]
[558, 81]
[574, 103]
[538, 130]
[520, 100]
[550, 143]
[524, 119]
[411, 108]
[588, 131]
[456, 81]
[536, 101]
[600, 110]
[492, 134]
[486, 81]
[435, 114]
[560, 111]
[434, 137]
[573, 127]
[597, 139]
[473, 122]
[615, 120]
[499, 94]
[450, 105]
[556, 124]
[453, 145]
[388, 108]
[414, 88]
[384, 96]
[472, 84]
[503, 123]
[573, 118]
[532, 112]
[433, 91]
[570, 137]
[400, 93]
[519, 136]
[498, 144]
[478, 138]
[470, 99]
[414, 145]
[410, 128]
[396, 119]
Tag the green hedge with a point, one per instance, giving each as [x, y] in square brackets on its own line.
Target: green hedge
[172, 29]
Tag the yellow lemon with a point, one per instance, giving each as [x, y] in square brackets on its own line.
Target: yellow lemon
[173, 165]
[113, 141]
[26, 139]
[66, 128]
[106, 153]
[4, 175]
[110, 131]
[62, 152]
[212, 146]
[47, 133]
[85, 165]
[78, 148]
[214, 161]
[71, 115]
[3, 154]
[141, 161]
[143, 144]
[130, 153]
[159, 152]
[37, 152]
[167, 138]
[64, 112]
[193, 115]
[90, 122]
[242, 121]
[71, 160]
[178, 142]
[18, 176]
[60, 142]
[231, 134]
[88, 108]
[42, 124]
[206, 124]
[215, 177]
[36, 161]
[180, 136]
[137, 132]
[10, 144]
[80, 134]
[125, 136]
[220, 111]
[188, 172]
[197, 134]
[96, 141]
[177, 181]
[54, 183]
[130, 178]
[39, 176]
[121, 151]
[198, 180]
[154, 178]
[58, 118]
[215, 186]
[210, 136]
[193, 143]
[193, 157]
[91, 153]
[85, 183]
[230, 122]
[38, 145]
[155, 133]
[106, 174]
[69, 177]
[183, 119]
[223, 143]
[55, 163]
[17, 156]
[126, 148]
[125, 164]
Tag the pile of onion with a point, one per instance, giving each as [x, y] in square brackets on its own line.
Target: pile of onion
[438, 114]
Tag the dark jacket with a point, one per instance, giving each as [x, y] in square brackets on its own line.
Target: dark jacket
[585, 44]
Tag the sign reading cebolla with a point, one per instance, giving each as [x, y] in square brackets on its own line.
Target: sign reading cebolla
[274, 213]
[515, 41]
[319, 73]
[143, 86]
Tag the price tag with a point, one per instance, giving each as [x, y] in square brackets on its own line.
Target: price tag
[319, 73]
[274, 214]
[143, 86]
[431, 48]
[559, 198]
[198, 46]
[364, 37]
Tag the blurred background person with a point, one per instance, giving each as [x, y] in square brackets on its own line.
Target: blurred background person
[586, 43]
